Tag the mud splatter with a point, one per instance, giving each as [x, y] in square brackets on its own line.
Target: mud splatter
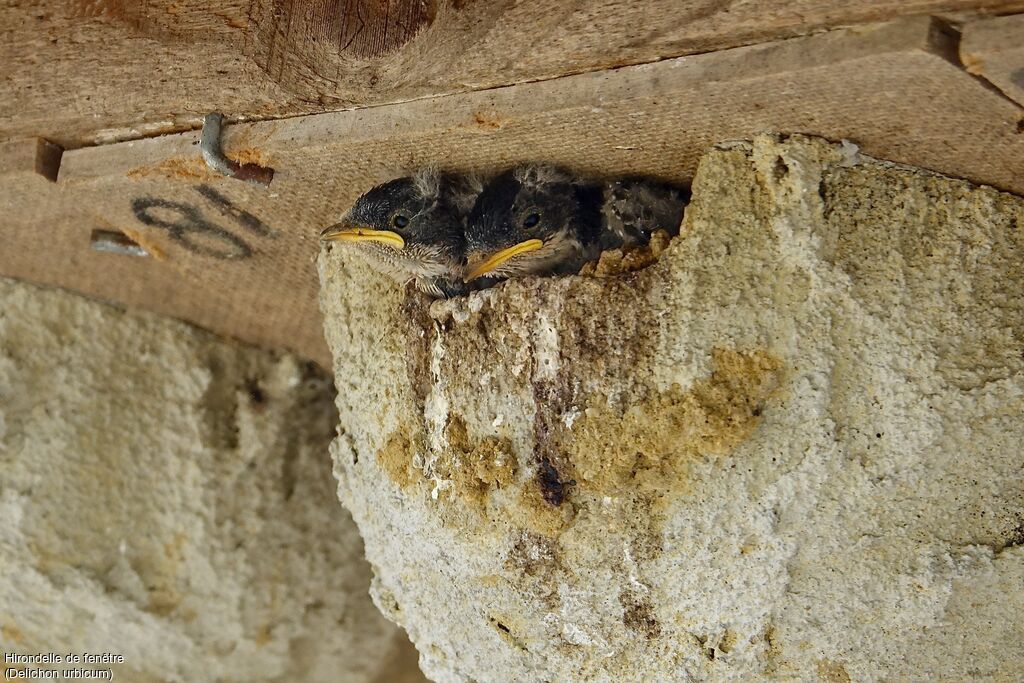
[832, 672]
[395, 458]
[638, 615]
[647, 447]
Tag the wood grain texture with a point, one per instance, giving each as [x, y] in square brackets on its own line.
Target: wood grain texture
[78, 75]
[994, 49]
[90, 71]
[359, 29]
[30, 157]
[238, 259]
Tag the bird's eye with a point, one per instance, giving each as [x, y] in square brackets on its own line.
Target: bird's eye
[531, 220]
[400, 221]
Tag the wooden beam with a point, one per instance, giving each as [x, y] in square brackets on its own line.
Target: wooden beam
[237, 258]
[30, 157]
[91, 71]
[48, 237]
[994, 49]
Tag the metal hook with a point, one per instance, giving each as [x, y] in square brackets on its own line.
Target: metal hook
[209, 143]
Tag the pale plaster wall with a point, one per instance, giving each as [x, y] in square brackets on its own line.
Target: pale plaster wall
[167, 496]
[791, 449]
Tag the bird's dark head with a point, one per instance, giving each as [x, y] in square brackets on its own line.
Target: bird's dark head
[412, 226]
[529, 220]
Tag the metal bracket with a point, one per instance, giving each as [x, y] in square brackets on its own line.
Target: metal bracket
[209, 143]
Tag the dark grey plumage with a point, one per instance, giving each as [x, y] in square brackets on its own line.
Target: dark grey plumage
[412, 228]
[541, 219]
[634, 208]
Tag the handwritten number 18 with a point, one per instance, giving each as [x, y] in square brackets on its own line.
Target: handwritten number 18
[197, 234]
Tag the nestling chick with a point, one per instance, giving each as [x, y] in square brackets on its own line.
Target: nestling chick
[412, 228]
[540, 219]
[634, 208]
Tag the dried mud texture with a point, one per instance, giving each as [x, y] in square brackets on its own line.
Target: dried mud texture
[626, 260]
[789, 449]
[168, 497]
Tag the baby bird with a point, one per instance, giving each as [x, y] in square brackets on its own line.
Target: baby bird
[412, 228]
[539, 219]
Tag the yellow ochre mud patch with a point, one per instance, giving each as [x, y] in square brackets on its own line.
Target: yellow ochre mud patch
[641, 451]
[645, 448]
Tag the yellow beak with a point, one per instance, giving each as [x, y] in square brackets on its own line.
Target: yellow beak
[496, 259]
[346, 232]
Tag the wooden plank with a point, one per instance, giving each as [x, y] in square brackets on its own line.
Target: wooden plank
[893, 89]
[47, 232]
[92, 71]
[31, 157]
[88, 71]
[994, 49]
